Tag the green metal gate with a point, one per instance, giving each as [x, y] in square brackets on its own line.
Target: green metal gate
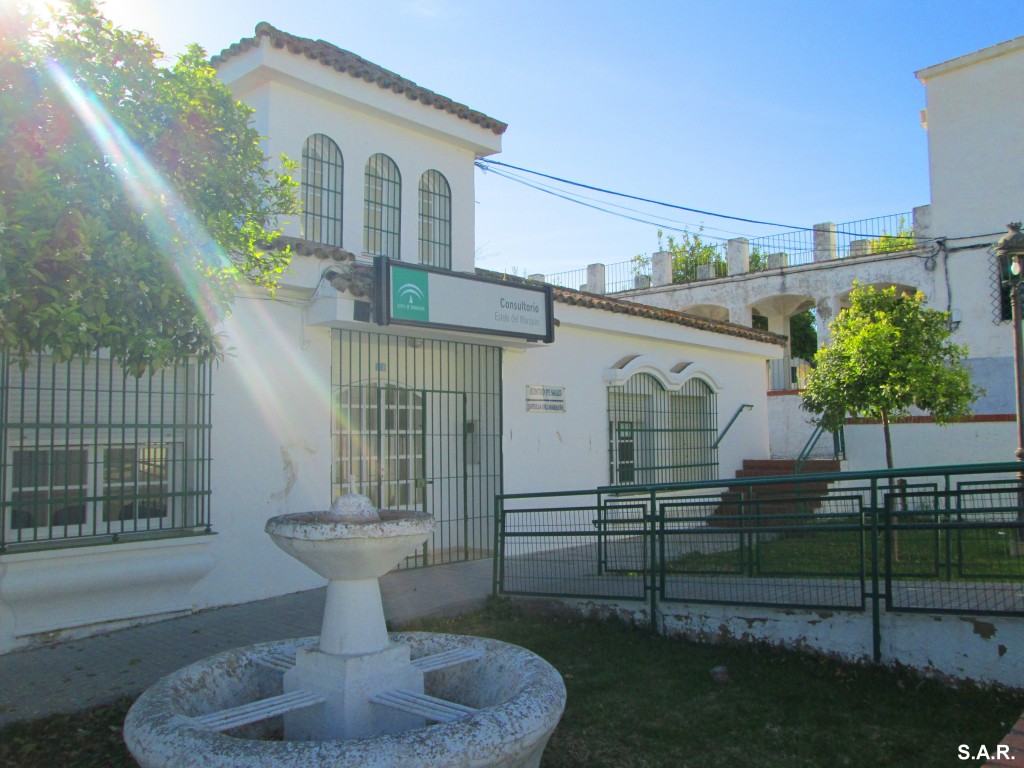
[417, 425]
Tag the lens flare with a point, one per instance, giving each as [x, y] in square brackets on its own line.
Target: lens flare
[267, 360]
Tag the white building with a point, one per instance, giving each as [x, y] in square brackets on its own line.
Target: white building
[432, 388]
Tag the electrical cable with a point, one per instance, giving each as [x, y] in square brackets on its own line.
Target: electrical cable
[484, 162]
[560, 192]
[591, 205]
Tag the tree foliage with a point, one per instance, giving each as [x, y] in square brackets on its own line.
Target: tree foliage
[133, 196]
[888, 353]
[903, 240]
[689, 251]
[803, 336]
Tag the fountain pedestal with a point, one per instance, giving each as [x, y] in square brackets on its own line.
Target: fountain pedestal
[355, 660]
[347, 683]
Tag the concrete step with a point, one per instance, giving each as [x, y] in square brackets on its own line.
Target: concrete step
[788, 466]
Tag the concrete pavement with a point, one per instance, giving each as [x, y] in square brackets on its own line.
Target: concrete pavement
[77, 674]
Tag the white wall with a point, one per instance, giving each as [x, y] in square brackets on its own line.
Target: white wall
[974, 120]
[984, 439]
[302, 98]
[927, 445]
[986, 649]
[568, 451]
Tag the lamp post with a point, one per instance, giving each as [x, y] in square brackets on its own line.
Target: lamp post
[1011, 247]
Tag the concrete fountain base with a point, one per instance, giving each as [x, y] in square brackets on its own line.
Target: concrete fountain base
[518, 696]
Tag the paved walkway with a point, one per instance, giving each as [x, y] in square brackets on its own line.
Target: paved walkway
[74, 675]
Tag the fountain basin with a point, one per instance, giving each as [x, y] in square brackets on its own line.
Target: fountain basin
[341, 550]
[518, 695]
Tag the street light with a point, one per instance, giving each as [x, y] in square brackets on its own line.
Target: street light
[1011, 247]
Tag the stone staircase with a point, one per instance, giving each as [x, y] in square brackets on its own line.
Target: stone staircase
[780, 498]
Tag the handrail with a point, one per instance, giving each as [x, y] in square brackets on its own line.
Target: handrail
[805, 452]
[741, 409]
[838, 446]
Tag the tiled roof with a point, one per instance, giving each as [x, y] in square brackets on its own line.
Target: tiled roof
[302, 247]
[330, 55]
[357, 277]
[622, 307]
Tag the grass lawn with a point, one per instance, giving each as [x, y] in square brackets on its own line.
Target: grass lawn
[640, 700]
[969, 555]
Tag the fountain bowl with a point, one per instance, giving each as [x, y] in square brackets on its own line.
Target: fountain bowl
[518, 695]
[341, 549]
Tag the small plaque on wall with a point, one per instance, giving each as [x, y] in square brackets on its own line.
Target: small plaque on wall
[545, 398]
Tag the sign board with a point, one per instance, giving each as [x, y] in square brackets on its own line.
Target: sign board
[545, 398]
[412, 294]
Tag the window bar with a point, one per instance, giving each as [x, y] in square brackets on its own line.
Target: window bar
[6, 511]
[93, 438]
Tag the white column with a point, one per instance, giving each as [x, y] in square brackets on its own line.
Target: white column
[661, 269]
[737, 256]
[824, 242]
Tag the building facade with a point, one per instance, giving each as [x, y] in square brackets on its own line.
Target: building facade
[385, 364]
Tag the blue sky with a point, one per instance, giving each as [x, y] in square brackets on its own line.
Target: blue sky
[786, 111]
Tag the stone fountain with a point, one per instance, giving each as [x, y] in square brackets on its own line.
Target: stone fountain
[355, 695]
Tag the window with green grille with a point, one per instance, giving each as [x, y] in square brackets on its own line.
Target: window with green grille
[435, 209]
[657, 435]
[323, 172]
[382, 208]
[89, 451]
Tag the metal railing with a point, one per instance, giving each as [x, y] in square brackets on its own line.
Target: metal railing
[838, 447]
[941, 540]
[880, 234]
[627, 275]
[576, 279]
[787, 374]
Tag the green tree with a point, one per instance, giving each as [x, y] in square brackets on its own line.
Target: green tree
[758, 260]
[903, 240]
[888, 353]
[133, 197]
[803, 336]
[688, 252]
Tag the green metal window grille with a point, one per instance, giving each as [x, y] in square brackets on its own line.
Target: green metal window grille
[382, 208]
[417, 426]
[662, 436]
[323, 173]
[90, 453]
[435, 220]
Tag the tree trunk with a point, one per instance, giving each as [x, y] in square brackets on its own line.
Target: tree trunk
[888, 439]
[897, 504]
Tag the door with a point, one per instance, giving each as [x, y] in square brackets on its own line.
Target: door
[417, 426]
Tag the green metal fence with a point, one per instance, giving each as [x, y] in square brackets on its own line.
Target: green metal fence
[91, 454]
[927, 539]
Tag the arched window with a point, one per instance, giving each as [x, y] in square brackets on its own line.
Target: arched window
[435, 220]
[323, 171]
[658, 435]
[382, 209]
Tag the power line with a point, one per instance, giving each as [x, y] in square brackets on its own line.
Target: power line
[541, 187]
[487, 162]
[564, 196]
